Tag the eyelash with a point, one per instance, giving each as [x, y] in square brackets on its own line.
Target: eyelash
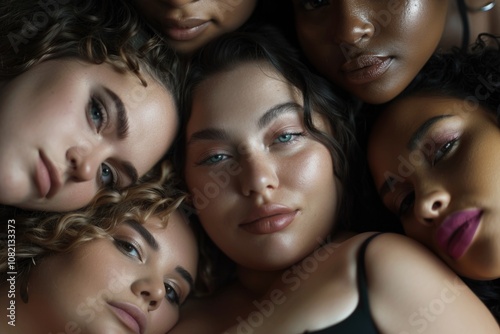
[313, 4]
[438, 155]
[103, 115]
[126, 247]
[292, 135]
[171, 294]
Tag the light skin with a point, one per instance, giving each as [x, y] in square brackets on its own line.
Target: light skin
[62, 137]
[372, 49]
[148, 267]
[243, 153]
[188, 25]
[243, 142]
[451, 166]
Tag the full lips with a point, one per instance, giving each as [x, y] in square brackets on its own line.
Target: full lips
[457, 231]
[270, 224]
[185, 31]
[42, 178]
[366, 69]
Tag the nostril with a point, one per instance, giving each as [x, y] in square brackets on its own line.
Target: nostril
[152, 303]
[436, 205]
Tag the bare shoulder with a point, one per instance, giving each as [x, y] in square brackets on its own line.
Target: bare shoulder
[420, 291]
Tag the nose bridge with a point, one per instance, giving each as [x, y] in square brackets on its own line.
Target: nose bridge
[431, 200]
[353, 23]
[258, 173]
[151, 289]
[84, 160]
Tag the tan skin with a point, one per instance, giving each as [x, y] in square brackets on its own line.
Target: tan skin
[373, 49]
[452, 169]
[286, 265]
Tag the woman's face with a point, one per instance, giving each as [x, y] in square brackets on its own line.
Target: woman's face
[69, 128]
[189, 24]
[133, 282]
[373, 49]
[264, 189]
[436, 163]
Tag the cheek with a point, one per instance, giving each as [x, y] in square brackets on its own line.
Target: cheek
[71, 197]
[164, 318]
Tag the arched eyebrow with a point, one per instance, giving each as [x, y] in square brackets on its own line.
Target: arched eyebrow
[146, 235]
[186, 276]
[121, 115]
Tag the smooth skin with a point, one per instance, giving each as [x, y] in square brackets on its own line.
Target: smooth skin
[245, 154]
[338, 36]
[452, 167]
[84, 289]
[190, 24]
[60, 137]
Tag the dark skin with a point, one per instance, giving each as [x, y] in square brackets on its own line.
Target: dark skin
[373, 49]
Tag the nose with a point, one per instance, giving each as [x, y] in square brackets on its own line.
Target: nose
[353, 25]
[431, 205]
[151, 290]
[258, 175]
[83, 163]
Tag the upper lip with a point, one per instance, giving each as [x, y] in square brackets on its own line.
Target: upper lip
[184, 23]
[55, 177]
[453, 222]
[264, 211]
[135, 312]
[362, 61]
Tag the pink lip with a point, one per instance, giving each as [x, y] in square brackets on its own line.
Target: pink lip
[47, 177]
[184, 30]
[455, 234]
[366, 68]
[268, 219]
[130, 315]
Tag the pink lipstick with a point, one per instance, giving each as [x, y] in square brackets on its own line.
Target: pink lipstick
[269, 219]
[455, 234]
[364, 69]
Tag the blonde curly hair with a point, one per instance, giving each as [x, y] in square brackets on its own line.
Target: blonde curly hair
[51, 233]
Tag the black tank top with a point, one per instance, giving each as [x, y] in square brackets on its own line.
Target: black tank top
[360, 321]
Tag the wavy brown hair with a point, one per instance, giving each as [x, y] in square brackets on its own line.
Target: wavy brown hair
[96, 31]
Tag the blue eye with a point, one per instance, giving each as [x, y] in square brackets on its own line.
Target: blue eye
[97, 114]
[128, 248]
[314, 4]
[214, 159]
[171, 295]
[107, 176]
[287, 137]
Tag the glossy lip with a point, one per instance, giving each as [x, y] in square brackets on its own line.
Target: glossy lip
[130, 315]
[47, 177]
[455, 234]
[366, 68]
[270, 218]
[186, 29]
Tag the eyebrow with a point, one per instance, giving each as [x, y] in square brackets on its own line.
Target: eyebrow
[121, 115]
[148, 237]
[269, 115]
[422, 131]
[151, 241]
[186, 276]
[412, 144]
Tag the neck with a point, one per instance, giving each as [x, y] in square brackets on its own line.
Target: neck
[257, 282]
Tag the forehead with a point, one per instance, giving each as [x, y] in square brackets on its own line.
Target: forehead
[246, 91]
